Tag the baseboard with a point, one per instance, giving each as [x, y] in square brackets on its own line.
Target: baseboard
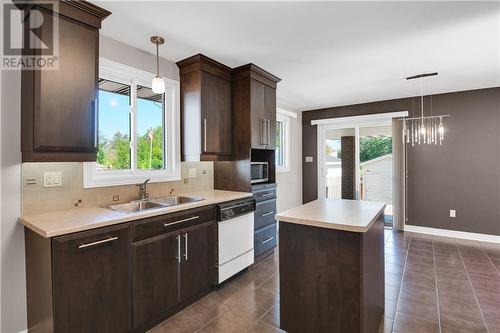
[453, 233]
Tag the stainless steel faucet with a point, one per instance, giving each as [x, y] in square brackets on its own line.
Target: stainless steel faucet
[143, 193]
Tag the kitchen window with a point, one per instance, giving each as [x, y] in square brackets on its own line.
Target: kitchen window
[282, 142]
[138, 129]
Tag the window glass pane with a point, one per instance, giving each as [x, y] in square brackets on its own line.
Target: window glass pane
[150, 129]
[279, 143]
[114, 126]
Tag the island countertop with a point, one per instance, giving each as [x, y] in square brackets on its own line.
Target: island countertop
[338, 214]
[80, 219]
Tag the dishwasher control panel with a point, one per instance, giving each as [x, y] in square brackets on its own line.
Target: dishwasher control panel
[233, 209]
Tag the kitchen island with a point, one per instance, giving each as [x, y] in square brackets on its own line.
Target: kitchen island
[332, 266]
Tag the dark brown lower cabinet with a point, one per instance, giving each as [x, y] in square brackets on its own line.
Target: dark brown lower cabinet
[155, 277]
[91, 281]
[103, 281]
[331, 280]
[171, 270]
[198, 260]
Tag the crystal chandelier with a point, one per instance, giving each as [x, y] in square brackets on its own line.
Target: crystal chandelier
[423, 129]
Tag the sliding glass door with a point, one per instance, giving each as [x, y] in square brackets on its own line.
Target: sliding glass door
[337, 162]
[375, 166]
[355, 161]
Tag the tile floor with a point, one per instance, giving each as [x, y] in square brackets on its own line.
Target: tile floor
[433, 284]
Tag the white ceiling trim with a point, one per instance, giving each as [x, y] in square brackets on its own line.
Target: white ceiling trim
[286, 112]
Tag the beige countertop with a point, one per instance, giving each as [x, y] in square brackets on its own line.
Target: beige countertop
[347, 215]
[79, 219]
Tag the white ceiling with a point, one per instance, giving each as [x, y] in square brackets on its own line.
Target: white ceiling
[327, 53]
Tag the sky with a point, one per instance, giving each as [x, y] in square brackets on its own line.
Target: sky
[334, 144]
[114, 114]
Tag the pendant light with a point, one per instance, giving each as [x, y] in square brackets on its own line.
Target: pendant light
[423, 129]
[158, 84]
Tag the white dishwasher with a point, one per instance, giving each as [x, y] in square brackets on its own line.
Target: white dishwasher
[236, 230]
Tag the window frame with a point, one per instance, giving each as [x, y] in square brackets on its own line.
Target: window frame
[285, 119]
[114, 71]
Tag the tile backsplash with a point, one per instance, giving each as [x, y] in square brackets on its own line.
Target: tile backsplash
[71, 194]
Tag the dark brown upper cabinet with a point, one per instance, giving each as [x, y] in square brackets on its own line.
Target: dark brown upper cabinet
[254, 103]
[59, 106]
[206, 118]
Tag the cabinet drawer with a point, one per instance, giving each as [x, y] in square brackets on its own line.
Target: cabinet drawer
[265, 239]
[264, 213]
[264, 194]
[263, 186]
[169, 222]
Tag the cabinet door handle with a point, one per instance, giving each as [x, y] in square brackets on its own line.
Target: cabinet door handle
[204, 135]
[102, 241]
[186, 246]
[266, 194]
[269, 131]
[262, 132]
[178, 237]
[267, 240]
[265, 132]
[180, 221]
[95, 107]
[268, 123]
[266, 214]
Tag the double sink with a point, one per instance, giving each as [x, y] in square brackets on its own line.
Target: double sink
[156, 203]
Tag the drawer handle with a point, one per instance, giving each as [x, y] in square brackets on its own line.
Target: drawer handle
[267, 240]
[266, 194]
[266, 214]
[183, 220]
[102, 241]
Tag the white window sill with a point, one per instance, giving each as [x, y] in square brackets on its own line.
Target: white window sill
[92, 178]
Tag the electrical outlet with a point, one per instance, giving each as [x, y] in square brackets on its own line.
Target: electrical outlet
[52, 179]
[192, 173]
[453, 213]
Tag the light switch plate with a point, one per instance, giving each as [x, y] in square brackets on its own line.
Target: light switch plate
[309, 159]
[52, 179]
[453, 213]
[192, 173]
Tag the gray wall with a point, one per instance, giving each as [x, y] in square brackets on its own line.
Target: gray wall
[12, 277]
[289, 192]
[128, 55]
[463, 174]
[12, 269]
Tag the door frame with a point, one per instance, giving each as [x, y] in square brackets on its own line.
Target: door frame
[354, 122]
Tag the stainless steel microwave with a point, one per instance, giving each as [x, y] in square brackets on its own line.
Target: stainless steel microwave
[259, 172]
